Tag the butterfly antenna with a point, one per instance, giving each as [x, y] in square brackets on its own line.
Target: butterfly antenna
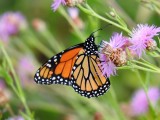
[101, 28]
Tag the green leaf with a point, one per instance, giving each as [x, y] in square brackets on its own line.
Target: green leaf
[153, 54]
[4, 74]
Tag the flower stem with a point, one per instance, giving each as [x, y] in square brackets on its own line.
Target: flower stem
[134, 66]
[78, 32]
[55, 45]
[91, 12]
[146, 91]
[116, 105]
[17, 82]
[30, 39]
[147, 65]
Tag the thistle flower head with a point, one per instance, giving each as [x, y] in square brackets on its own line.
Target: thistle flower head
[112, 54]
[142, 38]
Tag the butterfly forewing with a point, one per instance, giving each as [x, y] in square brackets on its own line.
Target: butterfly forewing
[57, 70]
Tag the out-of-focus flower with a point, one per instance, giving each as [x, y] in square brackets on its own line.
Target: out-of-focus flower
[74, 14]
[69, 117]
[112, 54]
[139, 104]
[16, 118]
[10, 24]
[4, 93]
[25, 69]
[70, 3]
[2, 84]
[57, 3]
[39, 25]
[142, 38]
[98, 116]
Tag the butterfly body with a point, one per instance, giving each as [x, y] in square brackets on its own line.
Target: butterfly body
[77, 67]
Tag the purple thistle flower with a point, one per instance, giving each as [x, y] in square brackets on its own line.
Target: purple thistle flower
[117, 40]
[10, 24]
[107, 66]
[112, 54]
[73, 12]
[25, 69]
[139, 102]
[57, 3]
[142, 38]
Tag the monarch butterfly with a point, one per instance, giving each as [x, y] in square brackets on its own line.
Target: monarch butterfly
[77, 66]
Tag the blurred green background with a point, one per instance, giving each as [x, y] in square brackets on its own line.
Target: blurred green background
[57, 102]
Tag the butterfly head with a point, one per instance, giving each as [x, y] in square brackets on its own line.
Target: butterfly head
[90, 46]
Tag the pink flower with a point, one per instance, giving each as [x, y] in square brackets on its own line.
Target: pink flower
[69, 3]
[25, 69]
[74, 14]
[139, 103]
[57, 3]
[112, 54]
[2, 84]
[142, 38]
[16, 118]
[10, 24]
[107, 66]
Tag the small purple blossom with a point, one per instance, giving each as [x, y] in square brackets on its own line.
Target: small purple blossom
[139, 102]
[142, 37]
[2, 84]
[57, 3]
[25, 69]
[16, 118]
[10, 24]
[112, 54]
[73, 12]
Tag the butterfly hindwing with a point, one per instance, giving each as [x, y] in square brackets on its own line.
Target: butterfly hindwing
[57, 70]
[87, 76]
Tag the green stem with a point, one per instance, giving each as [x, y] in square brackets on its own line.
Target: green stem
[147, 65]
[8, 107]
[91, 12]
[116, 105]
[33, 41]
[158, 49]
[77, 31]
[134, 66]
[55, 45]
[146, 91]
[19, 92]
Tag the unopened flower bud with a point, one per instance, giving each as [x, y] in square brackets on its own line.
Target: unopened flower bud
[38, 25]
[112, 14]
